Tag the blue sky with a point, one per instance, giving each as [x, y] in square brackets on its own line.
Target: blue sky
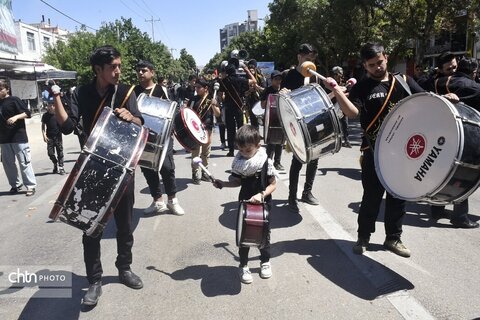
[191, 24]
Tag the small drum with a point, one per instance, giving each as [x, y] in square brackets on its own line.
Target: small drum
[158, 115]
[189, 129]
[257, 109]
[272, 130]
[310, 122]
[252, 225]
[101, 174]
[427, 150]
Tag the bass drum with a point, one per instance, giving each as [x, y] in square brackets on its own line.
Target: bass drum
[310, 122]
[252, 225]
[272, 130]
[158, 116]
[189, 129]
[101, 174]
[427, 150]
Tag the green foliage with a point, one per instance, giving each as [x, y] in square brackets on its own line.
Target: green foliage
[132, 44]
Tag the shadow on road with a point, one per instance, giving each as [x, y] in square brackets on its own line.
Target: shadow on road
[215, 281]
[325, 257]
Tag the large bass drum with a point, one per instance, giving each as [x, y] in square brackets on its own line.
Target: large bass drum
[310, 122]
[158, 116]
[427, 150]
[272, 130]
[101, 174]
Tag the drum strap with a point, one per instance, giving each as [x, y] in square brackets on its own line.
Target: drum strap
[446, 85]
[100, 107]
[383, 106]
[151, 91]
[238, 95]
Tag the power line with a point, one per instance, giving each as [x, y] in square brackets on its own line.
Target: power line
[132, 10]
[83, 24]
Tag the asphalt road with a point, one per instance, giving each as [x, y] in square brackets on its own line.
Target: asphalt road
[189, 263]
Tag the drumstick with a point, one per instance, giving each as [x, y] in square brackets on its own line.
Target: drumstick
[308, 68]
[198, 162]
[216, 86]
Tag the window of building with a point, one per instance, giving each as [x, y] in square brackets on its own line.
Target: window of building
[31, 41]
[46, 42]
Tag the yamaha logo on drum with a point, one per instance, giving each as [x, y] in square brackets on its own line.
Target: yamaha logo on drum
[432, 156]
[415, 146]
[195, 125]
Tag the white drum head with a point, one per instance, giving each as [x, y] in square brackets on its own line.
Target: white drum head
[289, 115]
[195, 126]
[257, 109]
[417, 145]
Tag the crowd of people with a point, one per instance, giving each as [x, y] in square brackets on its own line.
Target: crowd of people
[240, 86]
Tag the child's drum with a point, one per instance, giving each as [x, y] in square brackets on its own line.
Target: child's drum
[158, 115]
[189, 129]
[101, 174]
[427, 150]
[252, 225]
[272, 130]
[310, 122]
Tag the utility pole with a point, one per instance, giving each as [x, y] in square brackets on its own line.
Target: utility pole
[153, 32]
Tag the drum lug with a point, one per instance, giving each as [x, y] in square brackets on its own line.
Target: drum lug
[467, 165]
[465, 120]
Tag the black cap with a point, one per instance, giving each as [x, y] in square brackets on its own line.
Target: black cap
[253, 63]
[276, 73]
[306, 48]
[201, 82]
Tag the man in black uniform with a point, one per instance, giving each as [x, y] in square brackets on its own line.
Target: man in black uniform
[87, 102]
[463, 85]
[234, 88]
[373, 97]
[293, 80]
[146, 74]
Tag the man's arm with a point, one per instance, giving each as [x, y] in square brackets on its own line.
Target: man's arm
[348, 108]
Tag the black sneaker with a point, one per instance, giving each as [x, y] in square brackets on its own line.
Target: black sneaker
[15, 190]
[61, 171]
[279, 166]
[130, 279]
[55, 168]
[361, 245]
[308, 197]
[293, 205]
[230, 154]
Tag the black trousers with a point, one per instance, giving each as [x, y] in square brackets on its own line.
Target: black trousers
[55, 144]
[294, 173]
[344, 124]
[123, 221]
[234, 120]
[275, 151]
[167, 171]
[372, 198]
[460, 211]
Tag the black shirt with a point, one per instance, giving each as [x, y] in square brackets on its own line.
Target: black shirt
[369, 95]
[86, 102]
[294, 80]
[157, 91]
[269, 90]
[204, 110]
[234, 88]
[467, 90]
[17, 133]
[52, 125]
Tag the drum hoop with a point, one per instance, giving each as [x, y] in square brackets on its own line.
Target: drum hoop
[451, 171]
[182, 112]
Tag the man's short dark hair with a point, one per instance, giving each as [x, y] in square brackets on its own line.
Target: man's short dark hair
[467, 65]
[444, 57]
[306, 48]
[4, 84]
[201, 82]
[247, 135]
[371, 50]
[144, 64]
[103, 55]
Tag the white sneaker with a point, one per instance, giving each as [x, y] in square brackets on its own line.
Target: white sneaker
[156, 207]
[265, 270]
[245, 275]
[175, 208]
